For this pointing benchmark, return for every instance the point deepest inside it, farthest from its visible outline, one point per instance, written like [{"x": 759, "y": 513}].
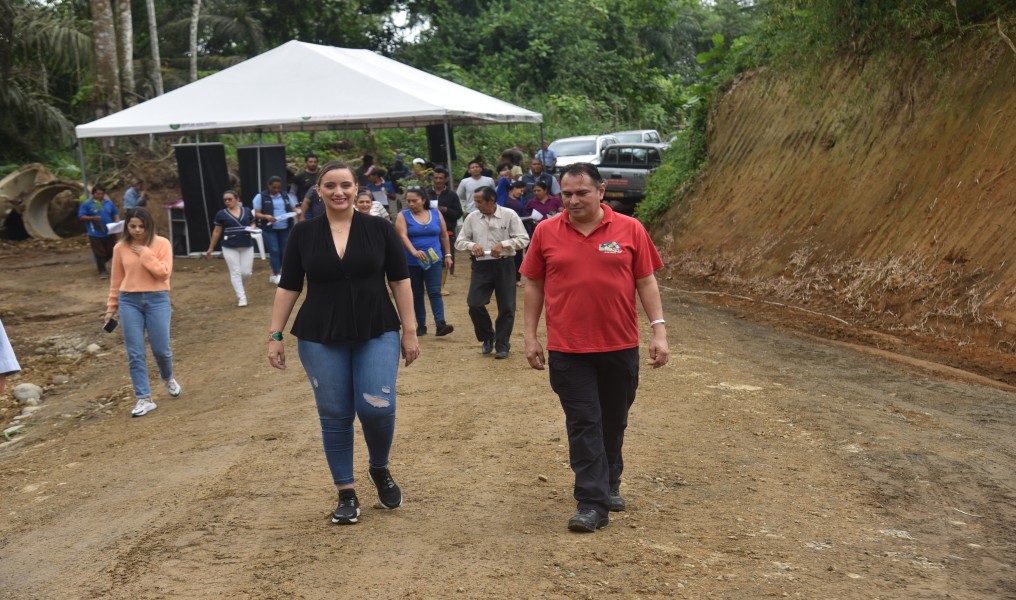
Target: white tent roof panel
[{"x": 340, "y": 89}]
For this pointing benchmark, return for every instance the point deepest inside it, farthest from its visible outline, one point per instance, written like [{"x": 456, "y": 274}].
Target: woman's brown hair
[{"x": 146, "y": 220}]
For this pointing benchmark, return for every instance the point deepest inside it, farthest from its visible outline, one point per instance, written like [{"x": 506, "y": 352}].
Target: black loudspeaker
[
  {"x": 203, "y": 178},
  {"x": 257, "y": 164},
  {"x": 436, "y": 144}
]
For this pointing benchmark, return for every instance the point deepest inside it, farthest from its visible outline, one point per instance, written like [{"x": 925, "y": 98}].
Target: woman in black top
[{"x": 348, "y": 330}]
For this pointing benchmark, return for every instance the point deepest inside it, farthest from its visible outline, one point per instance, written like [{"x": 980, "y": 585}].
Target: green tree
[
  {"x": 41, "y": 52},
  {"x": 106, "y": 94}
]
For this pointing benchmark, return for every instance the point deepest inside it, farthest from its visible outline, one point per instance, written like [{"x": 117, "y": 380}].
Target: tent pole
[
  {"x": 448, "y": 153},
  {"x": 81, "y": 157},
  {"x": 260, "y": 183}
]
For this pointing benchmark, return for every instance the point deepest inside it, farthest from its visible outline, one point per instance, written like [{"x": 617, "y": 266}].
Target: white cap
[{"x": 418, "y": 161}]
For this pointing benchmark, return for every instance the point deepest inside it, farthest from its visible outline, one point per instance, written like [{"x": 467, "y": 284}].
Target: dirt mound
[{"x": 880, "y": 193}]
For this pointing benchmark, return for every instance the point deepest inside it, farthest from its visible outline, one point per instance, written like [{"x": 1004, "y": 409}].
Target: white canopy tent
[{"x": 339, "y": 88}]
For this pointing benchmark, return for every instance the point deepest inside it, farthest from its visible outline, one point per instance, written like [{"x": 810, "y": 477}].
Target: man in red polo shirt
[{"x": 586, "y": 265}]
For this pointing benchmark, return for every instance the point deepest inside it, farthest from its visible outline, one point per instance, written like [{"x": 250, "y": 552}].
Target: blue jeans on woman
[
  {"x": 141, "y": 312},
  {"x": 355, "y": 379},
  {"x": 431, "y": 278},
  {"x": 275, "y": 244}
]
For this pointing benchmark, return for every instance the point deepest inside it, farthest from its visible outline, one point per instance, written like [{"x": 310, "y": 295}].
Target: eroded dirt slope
[{"x": 881, "y": 191}]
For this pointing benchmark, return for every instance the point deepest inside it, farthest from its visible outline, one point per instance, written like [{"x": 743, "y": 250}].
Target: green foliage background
[{"x": 589, "y": 66}]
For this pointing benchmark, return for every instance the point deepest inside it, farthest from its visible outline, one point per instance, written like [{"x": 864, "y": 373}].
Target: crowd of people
[{"x": 370, "y": 268}]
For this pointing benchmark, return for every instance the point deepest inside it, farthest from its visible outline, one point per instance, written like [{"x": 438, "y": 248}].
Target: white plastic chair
[{"x": 261, "y": 244}]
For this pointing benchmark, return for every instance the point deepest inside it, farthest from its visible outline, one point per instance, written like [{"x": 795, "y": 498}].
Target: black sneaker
[
  {"x": 588, "y": 521},
  {"x": 388, "y": 494},
  {"x": 616, "y": 501},
  {"x": 421, "y": 330},
  {"x": 444, "y": 329},
  {"x": 348, "y": 510},
  {"x": 488, "y": 347}
]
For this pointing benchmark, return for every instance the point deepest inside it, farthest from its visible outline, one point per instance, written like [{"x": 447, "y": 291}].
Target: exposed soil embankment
[{"x": 881, "y": 192}]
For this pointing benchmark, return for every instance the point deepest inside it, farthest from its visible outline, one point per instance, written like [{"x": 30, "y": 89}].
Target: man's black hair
[
  {"x": 488, "y": 193},
  {"x": 582, "y": 168}
]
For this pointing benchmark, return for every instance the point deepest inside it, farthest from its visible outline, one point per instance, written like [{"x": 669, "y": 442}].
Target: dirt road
[{"x": 759, "y": 464}]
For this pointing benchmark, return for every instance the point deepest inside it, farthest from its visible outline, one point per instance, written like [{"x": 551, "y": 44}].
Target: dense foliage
[{"x": 589, "y": 66}]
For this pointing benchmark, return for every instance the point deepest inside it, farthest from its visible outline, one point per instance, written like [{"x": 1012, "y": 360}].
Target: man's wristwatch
[{"x": 275, "y": 336}]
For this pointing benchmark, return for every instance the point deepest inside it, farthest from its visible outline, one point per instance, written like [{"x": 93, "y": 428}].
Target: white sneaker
[
  {"x": 274, "y": 279},
  {"x": 143, "y": 407},
  {"x": 242, "y": 302},
  {"x": 173, "y": 387}
]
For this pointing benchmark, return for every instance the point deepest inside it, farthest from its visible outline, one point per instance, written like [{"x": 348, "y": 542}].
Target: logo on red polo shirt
[{"x": 610, "y": 248}]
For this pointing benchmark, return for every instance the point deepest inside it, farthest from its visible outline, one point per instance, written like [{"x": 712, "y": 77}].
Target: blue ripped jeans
[{"x": 354, "y": 380}]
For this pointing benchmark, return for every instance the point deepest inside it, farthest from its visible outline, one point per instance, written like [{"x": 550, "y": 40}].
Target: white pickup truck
[{"x": 624, "y": 167}]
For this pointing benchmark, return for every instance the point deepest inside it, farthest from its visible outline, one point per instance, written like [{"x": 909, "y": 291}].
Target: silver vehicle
[
  {"x": 583, "y": 148},
  {"x": 624, "y": 168},
  {"x": 639, "y": 136}
]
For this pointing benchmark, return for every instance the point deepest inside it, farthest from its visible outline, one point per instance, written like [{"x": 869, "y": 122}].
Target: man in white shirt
[
  {"x": 492, "y": 234},
  {"x": 467, "y": 187}
]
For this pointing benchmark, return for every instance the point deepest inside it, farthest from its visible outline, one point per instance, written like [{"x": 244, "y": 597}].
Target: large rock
[{"x": 27, "y": 391}]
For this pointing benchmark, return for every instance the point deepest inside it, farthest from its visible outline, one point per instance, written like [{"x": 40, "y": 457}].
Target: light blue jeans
[
  {"x": 354, "y": 380},
  {"x": 275, "y": 244},
  {"x": 141, "y": 312}
]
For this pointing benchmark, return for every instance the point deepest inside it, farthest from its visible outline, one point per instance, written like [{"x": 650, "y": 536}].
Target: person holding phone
[
  {"x": 139, "y": 289},
  {"x": 425, "y": 237}
]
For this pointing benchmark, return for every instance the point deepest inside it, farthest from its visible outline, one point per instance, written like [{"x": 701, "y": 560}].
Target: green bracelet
[{"x": 275, "y": 336}]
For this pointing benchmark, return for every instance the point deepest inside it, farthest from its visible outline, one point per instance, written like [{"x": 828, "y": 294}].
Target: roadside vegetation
[{"x": 798, "y": 38}]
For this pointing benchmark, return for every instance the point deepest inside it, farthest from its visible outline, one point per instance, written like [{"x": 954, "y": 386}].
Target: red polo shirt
[{"x": 589, "y": 282}]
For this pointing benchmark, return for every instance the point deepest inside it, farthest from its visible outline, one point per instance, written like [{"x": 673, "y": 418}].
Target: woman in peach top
[{"x": 139, "y": 287}]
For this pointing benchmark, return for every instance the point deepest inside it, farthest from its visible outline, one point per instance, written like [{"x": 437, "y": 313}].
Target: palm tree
[
  {"x": 39, "y": 51},
  {"x": 153, "y": 34},
  {"x": 107, "y": 95},
  {"x": 195, "y": 16},
  {"x": 125, "y": 39}
]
